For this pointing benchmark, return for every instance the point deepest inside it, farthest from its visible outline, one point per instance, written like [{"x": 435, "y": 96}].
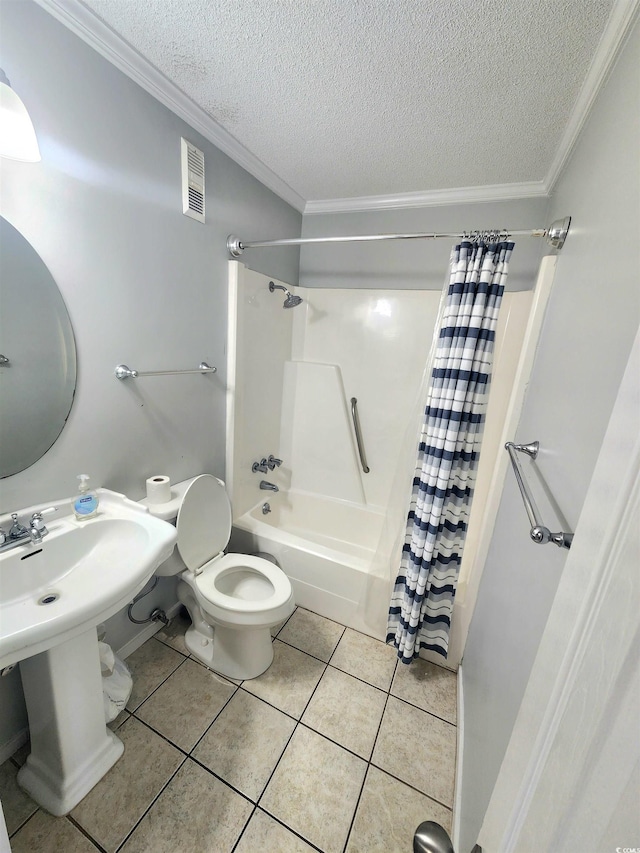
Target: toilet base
[{"x": 237, "y": 653}]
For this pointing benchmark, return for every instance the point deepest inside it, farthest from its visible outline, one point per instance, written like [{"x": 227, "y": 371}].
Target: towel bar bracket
[{"x": 542, "y": 535}]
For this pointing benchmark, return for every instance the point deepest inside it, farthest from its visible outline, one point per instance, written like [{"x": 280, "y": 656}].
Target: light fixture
[{"x": 17, "y": 136}]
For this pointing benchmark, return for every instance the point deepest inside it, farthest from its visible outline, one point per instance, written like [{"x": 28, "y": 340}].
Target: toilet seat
[{"x": 208, "y": 583}]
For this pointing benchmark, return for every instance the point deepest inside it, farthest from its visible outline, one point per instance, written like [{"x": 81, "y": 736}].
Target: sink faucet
[
  {"x": 270, "y": 487},
  {"x": 19, "y": 534}
]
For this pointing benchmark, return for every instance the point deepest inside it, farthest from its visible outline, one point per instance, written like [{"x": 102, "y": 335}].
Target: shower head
[{"x": 291, "y": 301}]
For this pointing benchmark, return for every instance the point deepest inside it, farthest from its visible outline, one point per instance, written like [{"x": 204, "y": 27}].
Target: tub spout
[{"x": 270, "y": 487}]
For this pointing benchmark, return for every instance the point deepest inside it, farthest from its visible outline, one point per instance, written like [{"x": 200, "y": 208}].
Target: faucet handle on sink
[
  {"x": 37, "y": 522},
  {"x": 16, "y": 530}
]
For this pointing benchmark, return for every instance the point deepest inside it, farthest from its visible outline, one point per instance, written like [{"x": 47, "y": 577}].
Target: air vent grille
[{"x": 192, "y": 181}]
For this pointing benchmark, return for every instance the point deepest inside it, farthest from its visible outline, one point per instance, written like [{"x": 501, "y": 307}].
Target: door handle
[{"x": 430, "y": 837}]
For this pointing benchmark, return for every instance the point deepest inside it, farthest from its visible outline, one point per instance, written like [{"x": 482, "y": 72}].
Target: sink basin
[
  {"x": 80, "y": 574},
  {"x": 52, "y": 596}
]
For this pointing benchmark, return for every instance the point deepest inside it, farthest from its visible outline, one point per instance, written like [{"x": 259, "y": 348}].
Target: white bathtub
[{"x": 326, "y": 547}]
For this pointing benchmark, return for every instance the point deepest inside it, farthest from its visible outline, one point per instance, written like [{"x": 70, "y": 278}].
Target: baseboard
[
  {"x": 457, "y": 796},
  {"x": 145, "y": 634},
  {"x": 13, "y": 745}
]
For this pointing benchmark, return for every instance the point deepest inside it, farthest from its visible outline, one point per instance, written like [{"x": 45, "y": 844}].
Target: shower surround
[{"x": 291, "y": 375}]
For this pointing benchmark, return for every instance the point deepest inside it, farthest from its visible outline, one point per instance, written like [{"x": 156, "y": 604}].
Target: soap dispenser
[{"x": 86, "y": 504}]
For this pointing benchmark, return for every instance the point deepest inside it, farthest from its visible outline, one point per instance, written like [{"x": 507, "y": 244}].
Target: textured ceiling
[{"x": 347, "y": 98}]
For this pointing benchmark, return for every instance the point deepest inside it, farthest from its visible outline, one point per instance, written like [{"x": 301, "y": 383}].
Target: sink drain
[{"x": 49, "y": 598}]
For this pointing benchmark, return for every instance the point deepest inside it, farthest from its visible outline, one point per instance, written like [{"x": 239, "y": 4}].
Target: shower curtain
[{"x": 448, "y": 451}]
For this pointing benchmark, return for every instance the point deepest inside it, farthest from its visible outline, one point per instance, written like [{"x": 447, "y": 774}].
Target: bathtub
[{"x": 326, "y": 547}]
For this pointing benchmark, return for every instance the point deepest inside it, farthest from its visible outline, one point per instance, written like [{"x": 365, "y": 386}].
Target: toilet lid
[{"x": 204, "y": 521}]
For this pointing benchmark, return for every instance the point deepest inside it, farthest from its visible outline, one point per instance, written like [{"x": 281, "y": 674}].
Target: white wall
[
  {"x": 371, "y": 345},
  {"x": 259, "y": 344},
  {"x": 415, "y": 264},
  {"x": 143, "y": 284},
  {"x": 590, "y": 324}
]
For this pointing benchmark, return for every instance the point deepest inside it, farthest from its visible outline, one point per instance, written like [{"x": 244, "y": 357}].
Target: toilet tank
[{"x": 168, "y": 511}]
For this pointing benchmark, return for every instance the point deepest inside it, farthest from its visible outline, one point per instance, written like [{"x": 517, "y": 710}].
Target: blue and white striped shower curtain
[{"x": 422, "y": 600}]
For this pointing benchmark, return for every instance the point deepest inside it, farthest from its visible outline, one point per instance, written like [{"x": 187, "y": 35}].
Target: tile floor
[{"x": 318, "y": 753}]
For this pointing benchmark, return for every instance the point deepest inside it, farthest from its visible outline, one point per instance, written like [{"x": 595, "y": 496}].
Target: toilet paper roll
[{"x": 158, "y": 489}]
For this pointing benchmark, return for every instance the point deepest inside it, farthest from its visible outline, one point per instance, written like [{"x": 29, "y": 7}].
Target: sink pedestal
[{"x": 71, "y": 747}]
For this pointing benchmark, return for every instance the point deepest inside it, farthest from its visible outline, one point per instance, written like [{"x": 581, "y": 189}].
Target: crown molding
[
  {"x": 98, "y": 35},
  {"x": 428, "y": 198},
  {"x": 618, "y": 26},
  {"x": 87, "y": 26}
]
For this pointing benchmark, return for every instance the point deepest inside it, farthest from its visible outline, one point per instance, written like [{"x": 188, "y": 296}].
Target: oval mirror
[{"x": 37, "y": 355}]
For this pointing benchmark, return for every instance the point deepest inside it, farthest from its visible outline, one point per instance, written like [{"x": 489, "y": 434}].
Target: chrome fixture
[
  {"x": 261, "y": 466},
  {"x": 18, "y": 140},
  {"x": 358, "y": 431},
  {"x": 20, "y": 535},
  {"x": 268, "y": 487},
  {"x": 430, "y": 837},
  {"x": 156, "y": 615},
  {"x": 4, "y": 361},
  {"x": 556, "y": 234},
  {"x": 272, "y": 462},
  {"x": 124, "y": 372},
  {"x": 266, "y": 509},
  {"x": 291, "y": 301},
  {"x": 539, "y": 532}
]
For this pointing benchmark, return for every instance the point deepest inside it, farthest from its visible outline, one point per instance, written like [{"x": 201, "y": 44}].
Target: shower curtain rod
[{"x": 556, "y": 234}]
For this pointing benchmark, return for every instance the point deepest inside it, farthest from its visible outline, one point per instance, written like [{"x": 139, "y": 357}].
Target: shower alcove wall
[{"x": 291, "y": 375}]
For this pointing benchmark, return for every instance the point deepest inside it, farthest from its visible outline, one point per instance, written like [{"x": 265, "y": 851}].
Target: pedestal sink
[{"x": 52, "y": 596}]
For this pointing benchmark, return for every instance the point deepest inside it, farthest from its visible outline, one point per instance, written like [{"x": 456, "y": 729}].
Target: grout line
[
  {"x": 285, "y": 622},
  {"x": 295, "y": 729},
  {"x": 25, "y": 821},
  {"x": 334, "y": 742},
  {"x": 271, "y": 705},
  {"x": 290, "y": 829},
  {"x": 375, "y": 740},
  {"x": 160, "y": 735},
  {"x": 204, "y": 733},
  {"x": 315, "y": 657},
  {"x": 220, "y": 779},
  {"x": 361, "y": 680},
  {"x": 182, "y": 662},
  {"x": 84, "y": 832},
  {"x": 413, "y": 787},
  {"x": 355, "y": 811},
  {"x": 244, "y": 829},
  {"x": 151, "y": 805},
  {"x": 424, "y": 710}
]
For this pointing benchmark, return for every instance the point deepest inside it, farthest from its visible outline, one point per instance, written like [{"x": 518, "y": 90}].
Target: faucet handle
[
  {"x": 260, "y": 466},
  {"x": 36, "y": 519},
  {"x": 272, "y": 462},
  {"x": 17, "y": 529}
]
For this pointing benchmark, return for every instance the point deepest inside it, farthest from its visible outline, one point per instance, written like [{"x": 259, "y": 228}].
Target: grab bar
[
  {"x": 539, "y": 532},
  {"x": 358, "y": 432}
]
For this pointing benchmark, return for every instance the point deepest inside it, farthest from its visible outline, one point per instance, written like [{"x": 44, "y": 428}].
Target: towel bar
[
  {"x": 539, "y": 532},
  {"x": 124, "y": 372}
]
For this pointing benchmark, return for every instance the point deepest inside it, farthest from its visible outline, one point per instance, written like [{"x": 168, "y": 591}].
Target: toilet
[{"x": 233, "y": 599}]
